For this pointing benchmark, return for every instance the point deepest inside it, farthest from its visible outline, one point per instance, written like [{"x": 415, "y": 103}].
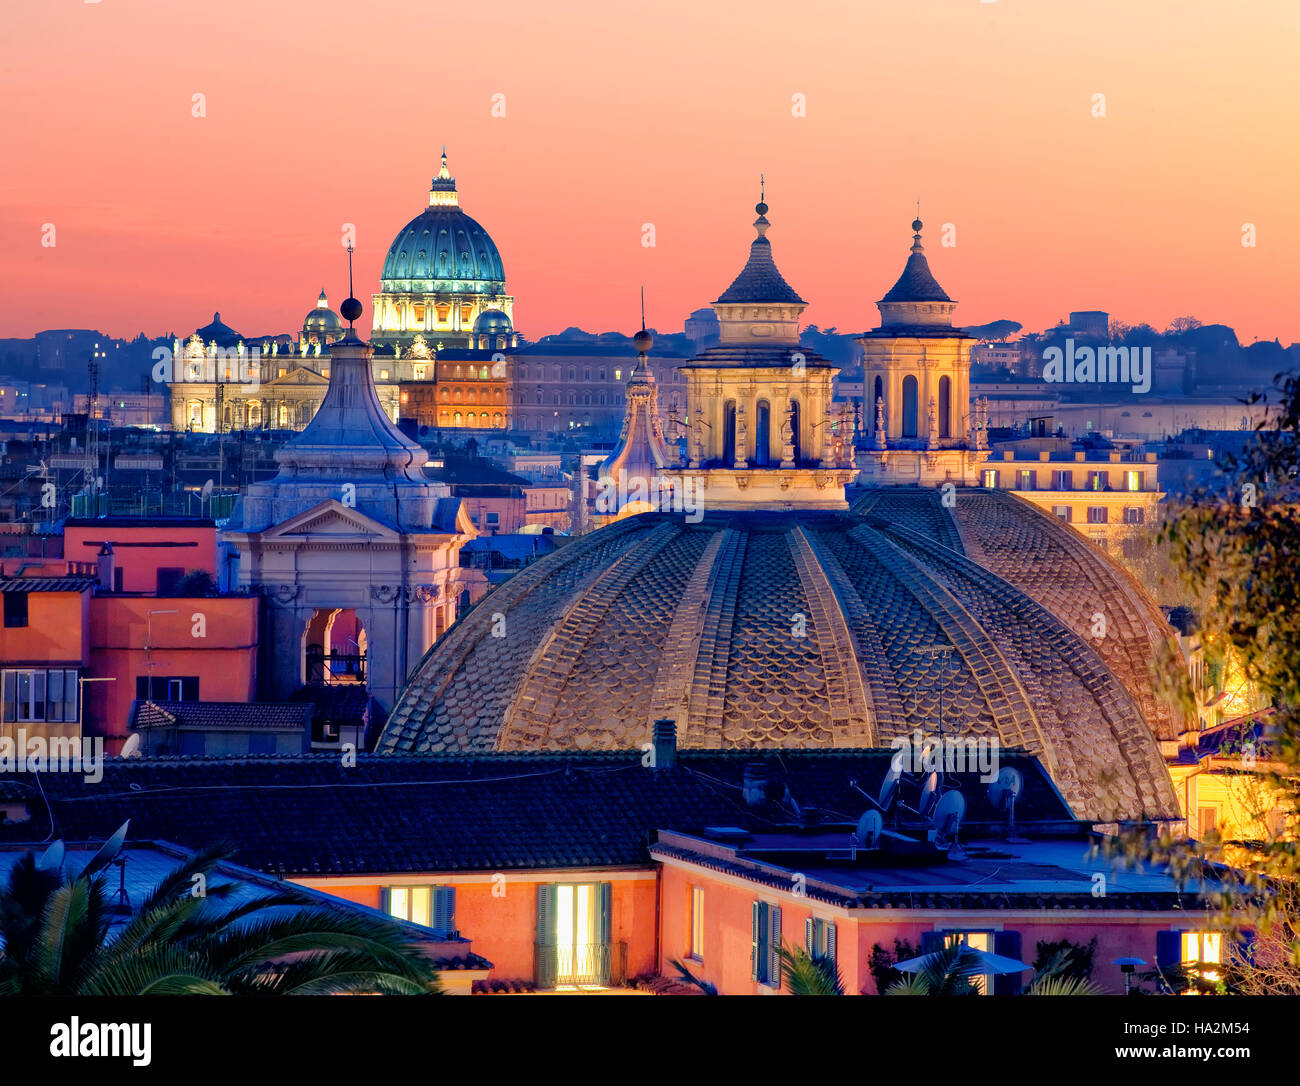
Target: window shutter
[
  {"x": 385, "y": 905},
  {"x": 831, "y": 950},
  {"x": 605, "y": 928},
  {"x": 774, "y": 946},
  {"x": 1007, "y": 943},
  {"x": 546, "y": 935},
  {"x": 810, "y": 935},
  {"x": 756, "y": 940},
  {"x": 443, "y": 912}
]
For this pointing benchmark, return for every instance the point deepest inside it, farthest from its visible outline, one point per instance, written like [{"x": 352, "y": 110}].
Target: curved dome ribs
[
  {"x": 459, "y": 706},
  {"x": 533, "y": 712},
  {"x": 852, "y": 721},
  {"x": 1061, "y": 571},
  {"x": 709, "y": 683},
  {"x": 675, "y": 678},
  {"x": 1100, "y": 726},
  {"x": 1014, "y": 717}
]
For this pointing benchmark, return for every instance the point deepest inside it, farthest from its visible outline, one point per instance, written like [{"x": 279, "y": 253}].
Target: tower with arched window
[{"x": 918, "y": 422}]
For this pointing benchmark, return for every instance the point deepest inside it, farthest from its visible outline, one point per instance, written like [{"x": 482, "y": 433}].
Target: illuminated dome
[
  {"x": 811, "y": 628},
  {"x": 492, "y": 322},
  {"x": 443, "y": 249},
  {"x": 322, "y": 321}
]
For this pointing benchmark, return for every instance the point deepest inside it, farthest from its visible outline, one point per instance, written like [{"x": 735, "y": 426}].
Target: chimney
[
  {"x": 755, "y": 784},
  {"x": 104, "y": 567},
  {"x": 665, "y": 744}
]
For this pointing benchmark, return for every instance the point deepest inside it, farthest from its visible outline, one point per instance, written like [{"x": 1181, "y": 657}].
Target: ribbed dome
[
  {"x": 655, "y": 617},
  {"x": 442, "y": 248}
]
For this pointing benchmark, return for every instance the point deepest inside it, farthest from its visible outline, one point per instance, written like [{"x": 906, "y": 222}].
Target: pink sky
[{"x": 325, "y": 113}]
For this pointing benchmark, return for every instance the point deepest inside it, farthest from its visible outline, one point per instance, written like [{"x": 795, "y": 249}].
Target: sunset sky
[{"x": 320, "y": 114}]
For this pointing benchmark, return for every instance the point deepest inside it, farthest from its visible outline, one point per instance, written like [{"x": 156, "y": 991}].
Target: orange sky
[{"x": 324, "y": 113}]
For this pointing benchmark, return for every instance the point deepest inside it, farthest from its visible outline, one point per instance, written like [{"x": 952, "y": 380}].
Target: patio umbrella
[{"x": 989, "y": 963}]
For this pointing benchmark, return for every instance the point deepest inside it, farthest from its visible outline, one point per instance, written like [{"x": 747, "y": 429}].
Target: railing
[
  {"x": 336, "y": 667},
  {"x": 572, "y": 964}
]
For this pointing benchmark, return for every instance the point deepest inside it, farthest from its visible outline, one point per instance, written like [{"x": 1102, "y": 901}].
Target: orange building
[
  {"x": 572, "y": 870},
  {"x": 151, "y": 554}
]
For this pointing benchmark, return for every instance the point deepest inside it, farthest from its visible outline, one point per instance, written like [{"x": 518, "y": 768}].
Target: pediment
[
  {"x": 302, "y": 375},
  {"x": 331, "y": 517}
]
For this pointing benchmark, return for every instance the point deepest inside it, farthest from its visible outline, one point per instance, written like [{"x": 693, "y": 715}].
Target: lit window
[
  {"x": 697, "y": 923},
  {"x": 430, "y": 906},
  {"x": 1203, "y": 948},
  {"x": 1132, "y": 480},
  {"x": 383, "y": 375},
  {"x": 989, "y": 479}
]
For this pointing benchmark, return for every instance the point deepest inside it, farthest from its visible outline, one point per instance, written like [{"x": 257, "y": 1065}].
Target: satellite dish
[
  {"x": 131, "y": 748},
  {"x": 889, "y": 786},
  {"x": 108, "y": 850},
  {"x": 52, "y": 858},
  {"x": 929, "y": 793},
  {"x": 870, "y": 826},
  {"x": 1004, "y": 790},
  {"x": 948, "y": 813},
  {"x": 206, "y": 492}
]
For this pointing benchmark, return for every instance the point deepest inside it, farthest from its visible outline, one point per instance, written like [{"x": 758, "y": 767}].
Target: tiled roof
[
  {"x": 311, "y": 815},
  {"x": 655, "y": 617},
  {"x": 917, "y": 283},
  {"x": 47, "y": 584},
  {"x": 217, "y": 715},
  {"x": 759, "y": 281}
]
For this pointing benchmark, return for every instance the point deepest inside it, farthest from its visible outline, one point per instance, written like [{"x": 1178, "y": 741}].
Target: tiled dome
[{"x": 656, "y": 617}]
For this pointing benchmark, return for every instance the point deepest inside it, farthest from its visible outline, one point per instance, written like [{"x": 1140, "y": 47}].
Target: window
[
  {"x": 494, "y": 519},
  {"x": 168, "y": 578},
  {"x": 167, "y": 687},
  {"x": 696, "y": 949},
  {"x": 573, "y": 934},
  {"x": 764, "y": 962},
  {"x": 819, "y": 937},
  {"x": 1062, "y": 480},
  {"x": 1004, "y": 943},
  {"x": 1097, "y": 480},
  {"x": 383, "y": 375},
  {"x": 1132, "y": 480},
  {"x": 1062, "y": 512},
  {"x": 1097, "y": 514},
  {"x": 1134, "y": 515},
  {"x": 15, "y": 609},
  {"x": 1200, "y": 949},
  {"x": 1207, "y": 819},
  {"x": 430, "y": 906},
  {"x": 420, "y": 371},
  {"x": 989, "y": 478},
  {"x": 40, "y": 694},
  {"x": 1026, "y": 479}
]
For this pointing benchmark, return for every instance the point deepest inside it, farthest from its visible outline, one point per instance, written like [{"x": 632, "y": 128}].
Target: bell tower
[
  {"x": 920, "y": 424},
  {"x": 760, "y": 428}
]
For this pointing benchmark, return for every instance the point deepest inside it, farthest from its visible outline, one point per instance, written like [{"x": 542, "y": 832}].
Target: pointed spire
[
  {"x": 759, "y": 280},
  {"x": 917, "y": 283}
]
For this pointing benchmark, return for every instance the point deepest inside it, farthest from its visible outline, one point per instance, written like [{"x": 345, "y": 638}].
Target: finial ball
[
  {"x": 761, "y": 208},
  {"x": 916, "y": 225},
  {"x": 642, "y": 341},
  {"x": 350, "y": 309}
]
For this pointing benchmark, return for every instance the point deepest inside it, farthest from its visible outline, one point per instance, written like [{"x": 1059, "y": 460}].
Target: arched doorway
[
  {"x": 909, "y": 406},
  {"x": 334, "y": 648}
]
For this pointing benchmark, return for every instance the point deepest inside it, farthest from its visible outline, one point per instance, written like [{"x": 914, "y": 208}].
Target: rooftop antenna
[{"x": 351, "y": 308}]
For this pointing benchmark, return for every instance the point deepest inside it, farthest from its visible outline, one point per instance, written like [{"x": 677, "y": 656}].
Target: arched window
[
  {"x": 877, "y": 395},
  {"x": 457, "y": 418},
  {"x": 762, "y": 434},
  {"x": 909, "y": 406},
  {"x": 496, "y": 420},
  {"x": 945, "y": 406},
  {"x": 794, "y": 427},
  {"x": 729, "y": 434}
]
